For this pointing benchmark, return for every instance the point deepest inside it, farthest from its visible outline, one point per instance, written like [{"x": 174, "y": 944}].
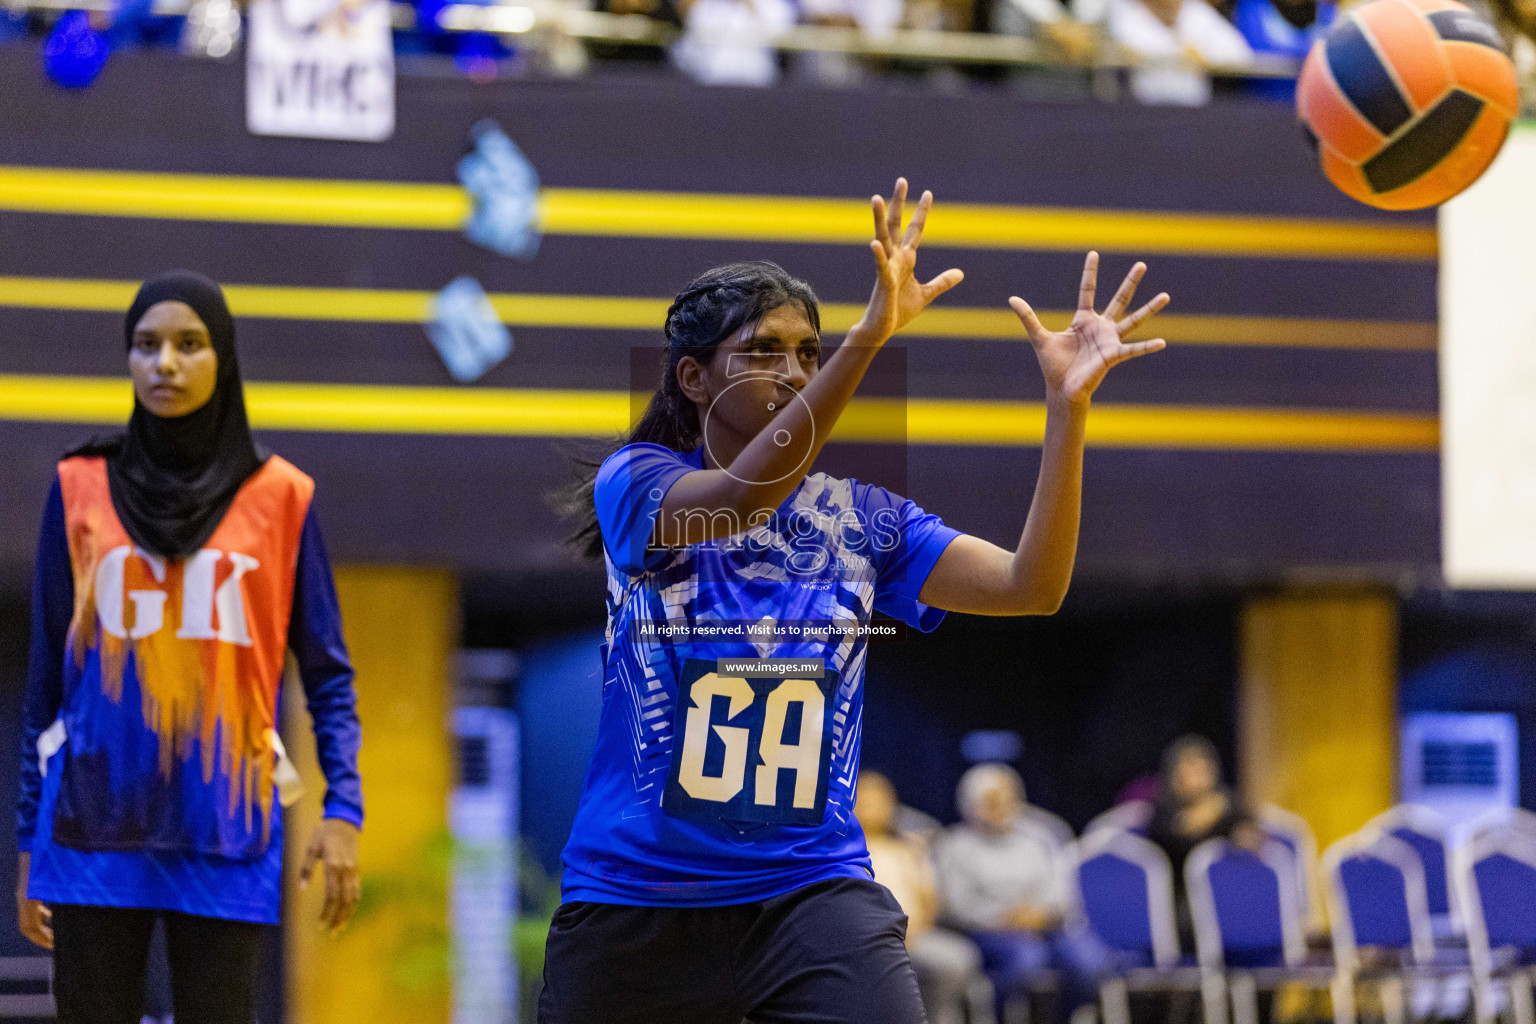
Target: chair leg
[
  {"x": 1424, "y": 998},
  {"x": 1213, "y": 996},
  {"x": 981, "y": 1002},
  {"x": 1245, "y": 999},
  {"x": 1453, "y": 998},
  {"x": 1520, "y": 997},
  {"x": 1482, "y": 999},
  {"x": 1017, "y": 1009},
  {"x": 1115, "y": 1001},
  {"x": 1343, "y": 991},
  {"x": 1392, "y": 1000}
]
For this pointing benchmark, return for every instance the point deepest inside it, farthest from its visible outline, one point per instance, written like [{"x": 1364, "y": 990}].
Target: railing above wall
[{"x": 530, "y": 17}]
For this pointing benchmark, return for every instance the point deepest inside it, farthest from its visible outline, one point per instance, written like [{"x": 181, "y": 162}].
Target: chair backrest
[
  {"x": 1131, "y": 816},
  {"x": 1376, "y": 897},
  {"x": 1293, "y": 832},
  {"x": 1125, "y": 889},
  {"x": 1499, "y": 819},
  {"x": 1244, "y": 905},
  {"x": 1425, "y": 830},
  {"x": 1496, "y": 878},
  {"x": 1060, "y": 832}
]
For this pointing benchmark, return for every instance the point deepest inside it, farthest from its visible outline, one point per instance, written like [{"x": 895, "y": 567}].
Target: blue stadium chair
[
  {"x": 1247, "y": 926},
  {"x": 1125, "y": 892},
  {"x": 1377, "y": 900},
  {"x": 1495, "y": 875},
  {"x": 1292, "y": 832},
  {"x": 1425, "y": 830},
  {"x": 1132, "y": 816}
]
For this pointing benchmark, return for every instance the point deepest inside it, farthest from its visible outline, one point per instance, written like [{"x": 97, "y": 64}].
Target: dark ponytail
[{"x": 713, "y": 307}]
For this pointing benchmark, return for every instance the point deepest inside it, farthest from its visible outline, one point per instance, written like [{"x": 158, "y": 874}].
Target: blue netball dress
[{"x": 711, "y": 787}]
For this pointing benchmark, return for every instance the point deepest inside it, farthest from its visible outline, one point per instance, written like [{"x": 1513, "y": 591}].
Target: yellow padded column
[
  {"x": 391, "y": 964},
  {"x": 1317, "y": 706}
]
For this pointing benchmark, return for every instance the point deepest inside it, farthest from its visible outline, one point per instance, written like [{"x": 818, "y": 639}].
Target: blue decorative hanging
[
  {"x": 505, "y": 188},
  {"x": 74, "y": 52},
  {"x": 466, "y": 331}
]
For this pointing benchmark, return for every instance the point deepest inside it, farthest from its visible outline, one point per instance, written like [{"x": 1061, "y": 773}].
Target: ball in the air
[{"x": 1409, "y": 101}]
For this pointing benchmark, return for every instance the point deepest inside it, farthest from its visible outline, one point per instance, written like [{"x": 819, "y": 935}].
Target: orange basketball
[{"x": 1408, "y": 101}]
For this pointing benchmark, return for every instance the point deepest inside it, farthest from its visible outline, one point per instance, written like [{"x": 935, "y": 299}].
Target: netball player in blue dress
[{"x": 715, "y": 872}]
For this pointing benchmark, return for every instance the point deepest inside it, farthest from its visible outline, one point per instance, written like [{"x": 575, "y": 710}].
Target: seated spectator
[
  {"x": 13, "y": 24},
  {"x": 1282, "y": 28},
  {"x": 873, "y": 18},
  {"x": 1176, "y": 42},
  {"x": 947, "y": 963},
  {"x": 1061, "y": 33},
  {"x": 941, "y": 15},
  {"x": 725, "y": 42},
  {"x": 911, "y": 823},
  {"x": 1066, "y": 39},
  {"x": 663, "y": 12},
  {"x": 1193, "y": 806},
  {"x": 1001, "y": 881}
]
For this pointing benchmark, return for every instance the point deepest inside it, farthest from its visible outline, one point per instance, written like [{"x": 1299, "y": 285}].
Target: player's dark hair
[{"x": 713, "y": 307}]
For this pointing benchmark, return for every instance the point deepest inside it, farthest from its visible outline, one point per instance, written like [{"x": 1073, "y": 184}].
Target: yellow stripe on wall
[
  {"x": 597, "y": 312},
  {"x": 978, "y": 226},
  {"x": 234, "y": 198},
  {"x": 538, "y": 412},
  {"x": 689, "y": 215}
]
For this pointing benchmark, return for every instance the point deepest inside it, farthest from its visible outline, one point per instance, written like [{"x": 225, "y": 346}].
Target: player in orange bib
[{"x": 177, "y": 564}]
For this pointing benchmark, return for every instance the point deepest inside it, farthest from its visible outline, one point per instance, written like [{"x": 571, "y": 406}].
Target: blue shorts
[{"x": 832, "y": 951}]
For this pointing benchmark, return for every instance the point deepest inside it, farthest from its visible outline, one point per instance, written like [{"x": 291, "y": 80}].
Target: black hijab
[{"x": 172, "y": 480}]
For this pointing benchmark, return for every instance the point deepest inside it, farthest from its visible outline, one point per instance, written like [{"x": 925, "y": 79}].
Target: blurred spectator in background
[
  {"x": 1192, "y": 806},
  {"x": 874, "y": 19},
  {"x": 663, "y": 11},
  {"x": 1516, "y": 21},
  {"x": 13, "y": 24},
  {"x": 941, "y": 15},
  {"x": 134, "y": 23},
  {"x": 1176, "y": 41},
  {"x": 724, "y": 42},
  {"x": 1002, "y": 881},
  {"x": 1063, "y": 33},
  {"x": 1282, "y": 28},
  {"x": 660, "y": 10},
  {"x": 1068, "y": 40},
  {"x": 947, "y": 963}
]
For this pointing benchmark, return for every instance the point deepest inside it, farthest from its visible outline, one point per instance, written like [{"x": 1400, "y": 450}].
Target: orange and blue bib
[{"x": 172, "y": 672}]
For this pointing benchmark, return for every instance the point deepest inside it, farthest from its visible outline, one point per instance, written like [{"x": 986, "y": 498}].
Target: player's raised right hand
[
  {"x": 1075, "y": 360},
  {"x": 898, "y": 296}
]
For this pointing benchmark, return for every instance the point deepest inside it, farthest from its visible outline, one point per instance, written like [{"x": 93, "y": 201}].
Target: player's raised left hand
[
  {"x": 898, "y": 295},
  {"x": 333, "y": 848},
  {"x": 1075, "y": 360}
]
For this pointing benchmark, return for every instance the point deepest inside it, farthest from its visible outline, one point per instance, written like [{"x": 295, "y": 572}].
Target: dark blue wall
[{"x": 559, "y": 695}]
